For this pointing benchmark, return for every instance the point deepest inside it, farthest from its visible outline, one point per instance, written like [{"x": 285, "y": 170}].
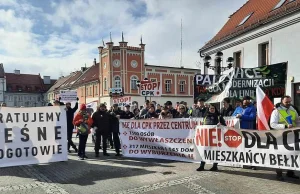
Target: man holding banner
[{"x": 283, "y": 117}]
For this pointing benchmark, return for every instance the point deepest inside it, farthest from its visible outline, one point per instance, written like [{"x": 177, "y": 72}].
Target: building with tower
[{"x": 119, "y": 68}]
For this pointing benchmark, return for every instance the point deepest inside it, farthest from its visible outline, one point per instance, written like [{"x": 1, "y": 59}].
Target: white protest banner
[
  {"x": 150, "y": 89},
  {"x": 32, "y": 135},
  {"x": 164, "y": 139},
  {"x": 122, "y": 101},
  {"x": 68, "y": 95},
  {"x": 273, "y": 149},
  {"x": 170, "y": 139}
]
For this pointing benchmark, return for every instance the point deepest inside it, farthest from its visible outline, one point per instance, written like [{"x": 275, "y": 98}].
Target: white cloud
[{"x": 79, "y": 27}]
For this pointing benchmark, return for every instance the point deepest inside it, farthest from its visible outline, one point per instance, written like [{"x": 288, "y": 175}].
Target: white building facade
[{"x": 271, "y": 42}]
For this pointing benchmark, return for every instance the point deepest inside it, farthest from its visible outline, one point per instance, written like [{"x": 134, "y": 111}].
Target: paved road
[{"x": 118, "y": 175}]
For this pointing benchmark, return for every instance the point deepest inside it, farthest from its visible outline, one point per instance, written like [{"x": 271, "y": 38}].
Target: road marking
[{"x": 183, "y": 181}]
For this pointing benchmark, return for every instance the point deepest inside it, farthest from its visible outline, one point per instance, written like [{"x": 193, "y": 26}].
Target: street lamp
[{"x": 218, "y": 60}]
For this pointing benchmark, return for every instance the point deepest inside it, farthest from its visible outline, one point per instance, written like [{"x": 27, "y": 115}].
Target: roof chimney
[
  {"x": 17, "y": 72},
  {"x": 47, "y": 80},
  {"x": 95, "y": 62}
]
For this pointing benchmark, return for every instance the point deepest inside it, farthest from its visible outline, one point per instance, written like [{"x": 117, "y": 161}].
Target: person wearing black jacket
[
  {"x": 227, "y": 109},
  {"x": 70, "y": 126},
  {"x": 115, "y": 130},
  {"x": 200, "y": 110},
  {"x": 212, "y": 117},
  {"x": 182, "y": 112},
  {"x": 173, "y": 111},
  {"x": 102, "y": 124},
  {"x": 151, "y": 113},
  {"x": 127, "y": 114}
]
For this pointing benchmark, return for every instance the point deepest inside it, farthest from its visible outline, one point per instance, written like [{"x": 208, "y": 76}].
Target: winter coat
[
  {"x": 114, "y": 125},
  {"x": 213, "y": 119},
  {"x": 78, "y": 119},
  {"x": 151, "y": 115},
  {"x": 127, "y": 115},
  {"x": 143, "y": 112},
  {"x": 70, "y": 117},
  {"x": 184, "y": 115},
  {"x": 248, "y": 119},
  {"x": 238, "y": 110},
  {"x": 227, "y": 112},
  {"x": 199, "y": 112},
  {"x": 173, "y": 112},
  {"x": 102, "y": 120}
]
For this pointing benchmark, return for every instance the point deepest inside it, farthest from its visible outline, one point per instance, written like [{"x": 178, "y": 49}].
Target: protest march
[{"x": 253, "y": 132}]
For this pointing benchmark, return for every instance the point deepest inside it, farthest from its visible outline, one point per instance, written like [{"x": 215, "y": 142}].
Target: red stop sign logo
[{"x": 232, "y": 139}]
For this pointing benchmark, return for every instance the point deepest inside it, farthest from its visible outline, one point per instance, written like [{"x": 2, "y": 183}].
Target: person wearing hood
[
  {"x": 83, "y": 122},
  {"x": 248, "y": 115},
  {"x": 279, "y": 121},
  {"x": 212, "y": 117},
  {"x": 102, "y": 124},
  {"x": 70, "y": 126},
  {"x": 227, "y": 109}
]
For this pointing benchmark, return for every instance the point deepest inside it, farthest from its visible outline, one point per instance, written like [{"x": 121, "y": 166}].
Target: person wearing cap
[
  {"x": 127, "y": 114},
  {"x": 83, "y": 122},
  {"x": 248, "y": 115},
  {"x": 70, "y": 127},
  {"x": 102, "y": 124},
  {"x": 279, "y": 121},
  {"x": 200, "y": 110},
  {"x": 182, "y": 112},
  {"x": 171, "y": 109}
]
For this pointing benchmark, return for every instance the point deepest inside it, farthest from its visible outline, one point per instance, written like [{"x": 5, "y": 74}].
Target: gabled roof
[
  {"x": 90, "y": 75},
  {"x": 24, "y": 83},
  {"x": 59, "y": 82},
  {"x": 251, "y": 15},
  {"x": 71, "y": 81}
]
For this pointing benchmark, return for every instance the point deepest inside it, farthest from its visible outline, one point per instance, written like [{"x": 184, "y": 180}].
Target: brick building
[{"x": 120, "y": 67}]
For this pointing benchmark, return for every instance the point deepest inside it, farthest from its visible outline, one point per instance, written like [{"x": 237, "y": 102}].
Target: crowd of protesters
[{"x": 105, "y": 122}]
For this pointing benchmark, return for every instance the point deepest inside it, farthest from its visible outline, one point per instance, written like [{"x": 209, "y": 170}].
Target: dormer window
[
  {"x": 245, "y": 19},
  {"x": 281, "y": 2}
]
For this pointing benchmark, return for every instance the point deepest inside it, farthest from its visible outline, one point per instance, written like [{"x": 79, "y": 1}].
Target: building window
[
  {"x": 168, "y": 85},
  {"x": 237, "y": 59},
  {"x": 181, "y": 85},
  {"x": 117, "y": 82},
  {"x": 263, "y": 54},
  {"x": 133, "y": 81},
  {"x": 96, "y": 90},
  {"x": 153, "y": 80},
  {"x": 105, "y": 84}
]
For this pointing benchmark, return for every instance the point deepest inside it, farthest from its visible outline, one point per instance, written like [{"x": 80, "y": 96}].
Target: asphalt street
[{"x": 120, "y": 175}]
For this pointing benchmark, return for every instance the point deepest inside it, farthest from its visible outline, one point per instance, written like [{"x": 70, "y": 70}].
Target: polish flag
[{"x": 264, "y": 109}]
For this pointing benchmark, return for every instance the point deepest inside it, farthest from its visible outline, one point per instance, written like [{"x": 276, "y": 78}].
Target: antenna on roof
[
  {"x": 181, "y": 66},
  {"x": 122, "y": 37},
  {"x": 141, "y": 39},
  {"x": 103, "y": 42},
  {"x": 110, "y": 37}
]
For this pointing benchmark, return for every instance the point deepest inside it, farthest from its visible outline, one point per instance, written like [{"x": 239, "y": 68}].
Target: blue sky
[{"x": 59, "y": 36}]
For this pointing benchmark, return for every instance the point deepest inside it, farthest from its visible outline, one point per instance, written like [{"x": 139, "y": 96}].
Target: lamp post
[{"x": 218, "y": 59}]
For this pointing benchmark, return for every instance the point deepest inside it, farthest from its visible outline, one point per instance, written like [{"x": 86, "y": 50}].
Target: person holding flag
[{"x": 284, "y": 117}]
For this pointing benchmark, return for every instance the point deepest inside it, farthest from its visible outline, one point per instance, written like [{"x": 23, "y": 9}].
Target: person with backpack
[
  {"x": 83, "y": 123},
  {"x": 212, "y": 117}
]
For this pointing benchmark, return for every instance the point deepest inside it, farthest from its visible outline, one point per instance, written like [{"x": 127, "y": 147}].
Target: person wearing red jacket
[{"x": 83, "y": 123}]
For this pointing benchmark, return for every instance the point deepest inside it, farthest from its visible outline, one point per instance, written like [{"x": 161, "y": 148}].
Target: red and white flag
[{"x": 264, "y": 109}]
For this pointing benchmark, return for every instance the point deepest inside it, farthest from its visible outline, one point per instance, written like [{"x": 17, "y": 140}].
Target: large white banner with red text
[
  {"x": 273, "y": 149},
  {"x": 171, "y": 139}
]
